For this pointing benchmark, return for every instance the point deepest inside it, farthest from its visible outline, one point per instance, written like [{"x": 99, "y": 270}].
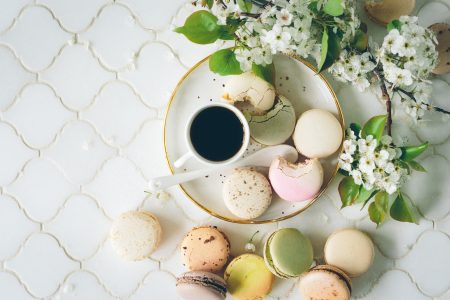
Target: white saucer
[{"x": 295, "y": 79}]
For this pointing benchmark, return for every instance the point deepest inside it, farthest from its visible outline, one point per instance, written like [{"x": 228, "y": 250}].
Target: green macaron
[{"x": 288, "y": 253}]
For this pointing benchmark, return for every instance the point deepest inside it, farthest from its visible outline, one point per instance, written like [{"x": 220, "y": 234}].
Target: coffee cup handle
[{"x": 183, "y": 159}]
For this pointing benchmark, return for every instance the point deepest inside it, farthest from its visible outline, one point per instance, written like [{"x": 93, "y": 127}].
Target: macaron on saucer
[
  {"x": 248, "y": 278},
  {"x": 205, "y": 249},
  {"x": 275, "y": 126},
  {"x": 296, "y": 182},
  {"x": 201, "y": 286},
  {"x": 288, "y": 253},
  {"x": 325, "y": 282},
  {"x": 350, "y": 250},
  {"x": 135, "y": 235},
  {"x": 247, "y": 193}
]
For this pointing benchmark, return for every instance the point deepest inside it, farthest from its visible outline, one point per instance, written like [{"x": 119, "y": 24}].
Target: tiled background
[{"x": 83, "y": 89}]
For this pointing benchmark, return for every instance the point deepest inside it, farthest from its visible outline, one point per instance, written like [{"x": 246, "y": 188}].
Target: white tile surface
[{"x": 83, "y": 89}]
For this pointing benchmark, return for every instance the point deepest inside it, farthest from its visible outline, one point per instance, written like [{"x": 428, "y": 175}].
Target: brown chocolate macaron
[
  {"x": 325, "y": 282},
  {"x": 205, "y": 249}
]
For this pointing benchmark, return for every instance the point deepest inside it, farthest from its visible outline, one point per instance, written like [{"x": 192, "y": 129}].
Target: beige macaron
[
  {"x": 350, "y": 250},
  {"x": 135, "y": 235},
  {"x": 247, "y": 193},
  {"x": 385, "y": 11},
  {"x": 442, "y": 31},
  {"x": 317, "y": 134}
]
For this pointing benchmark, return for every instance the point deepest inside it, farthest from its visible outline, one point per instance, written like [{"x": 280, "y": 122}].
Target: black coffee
[{"x": 217, "y": 133}]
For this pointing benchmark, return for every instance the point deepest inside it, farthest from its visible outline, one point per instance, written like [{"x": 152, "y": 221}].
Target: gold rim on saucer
[{"x": 241, "y": 221}]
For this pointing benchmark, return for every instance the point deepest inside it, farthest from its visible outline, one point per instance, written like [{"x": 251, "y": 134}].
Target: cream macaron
[
  {"x": 249, "y": 87},
  {"x": 350, "y": 250},
  {"x": 135, "y": 235},
  {"x": 296, "y": 182},
  {"x": 317, "y": 134},
  {"x": 247, "y": 193}
]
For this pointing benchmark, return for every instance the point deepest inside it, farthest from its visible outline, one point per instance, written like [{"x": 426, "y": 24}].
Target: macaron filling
[
  {"x": 204, "y": 281},
  {"x": 338, "y": 273}
]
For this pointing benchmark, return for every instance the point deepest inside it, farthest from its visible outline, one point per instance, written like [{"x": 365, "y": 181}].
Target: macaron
[
  {"x": 201, "y": 286},
  {"x": 350, "y": 250},
  {"x": 442, "y": 31},
  {"x": 248, "y": 278},
  {"x": 135, "y": 235},
  {"x": 296, "y": 182},
  {"x": 275, "y": 126},
  {"x": 317, "y": 134},
  {"x": 385, "y": 11},
  {"x": 247, "y": 193},
  {"x": 248, "y": 87},
  {"x": 205, "y": 249},
  {"x": 288, "y": 253},
  {"x": 326, "y": 283}
]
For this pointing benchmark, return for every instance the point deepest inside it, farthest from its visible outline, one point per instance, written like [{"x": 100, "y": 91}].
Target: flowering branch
[
  {"x": 387, "y": 98},
  {"x": 411, "y": 96}
]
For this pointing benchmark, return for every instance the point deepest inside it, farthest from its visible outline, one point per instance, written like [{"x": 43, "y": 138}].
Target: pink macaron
[{"x": 296, "y": 182}]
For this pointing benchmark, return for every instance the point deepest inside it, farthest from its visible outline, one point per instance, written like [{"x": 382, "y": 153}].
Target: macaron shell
[
  {"x": 288, "y": 252},
  {"x": 201, "y": 286},
  {"x": 442, "y": 31},
  {"x": 205, "y": 249},
  {"x": 135, "y": 235},
  {"x": 317, "y": 134},
  {"x": 296, "y": 182},
  {"x": 350, "y": 250},
  {"x": 247, "y": 193},
  {"x": 197, "y": 292},
  {"x": 249, "y": 87},
  {"x": 248, "y": 278},
  {"x": 321, "y": 284},
  {"x": 275, "y": 126}
]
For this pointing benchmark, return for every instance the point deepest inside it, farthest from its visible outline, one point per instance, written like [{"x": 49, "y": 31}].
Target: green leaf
[
  {"x": 364, "y": 195},
  {"x": 375, "y": 127},
  {"x": 266, "y": 72},
  {"x": 313, "y": 7},
  {"x": 330, "y": 50},
  {"x": 382, "y": 200},
  {"x": 394, "y": 24},
  {"x": 201, "y": 27},
  {"x": 226, "y": 32},
  {"x": 361, "y": 40},
  {"x": 223, "y": 62},
  {"x": 334, "y": 8},
  {"x": 379, "y": 208},
  {"x": 245, "y": 5},
  {"x": 416, "y": 166},
  {"x": 411, "y": 152},
  {"x": 208, "y": 3},
  {"x": 401, "y": 210},
  {"x": 376, "y": 214},
  {"x": 348, "y": 190},
  {"x": 356, "y": 128}
]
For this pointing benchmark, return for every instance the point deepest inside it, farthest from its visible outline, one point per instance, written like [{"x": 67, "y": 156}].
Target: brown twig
[
  {"x": 411, "y": 96},
  {"x": 251, "y": 15},
  {"x": 387, "y": 98}
]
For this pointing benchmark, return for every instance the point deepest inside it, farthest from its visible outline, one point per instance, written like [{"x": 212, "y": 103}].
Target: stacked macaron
[
  {"x": 348, "y": 253},
  {"x": 205, "y": 251},
  {"x": 317, "y": 134}
]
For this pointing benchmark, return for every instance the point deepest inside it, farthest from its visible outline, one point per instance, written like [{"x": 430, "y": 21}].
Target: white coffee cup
[{"x": 193, "y": 153}]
